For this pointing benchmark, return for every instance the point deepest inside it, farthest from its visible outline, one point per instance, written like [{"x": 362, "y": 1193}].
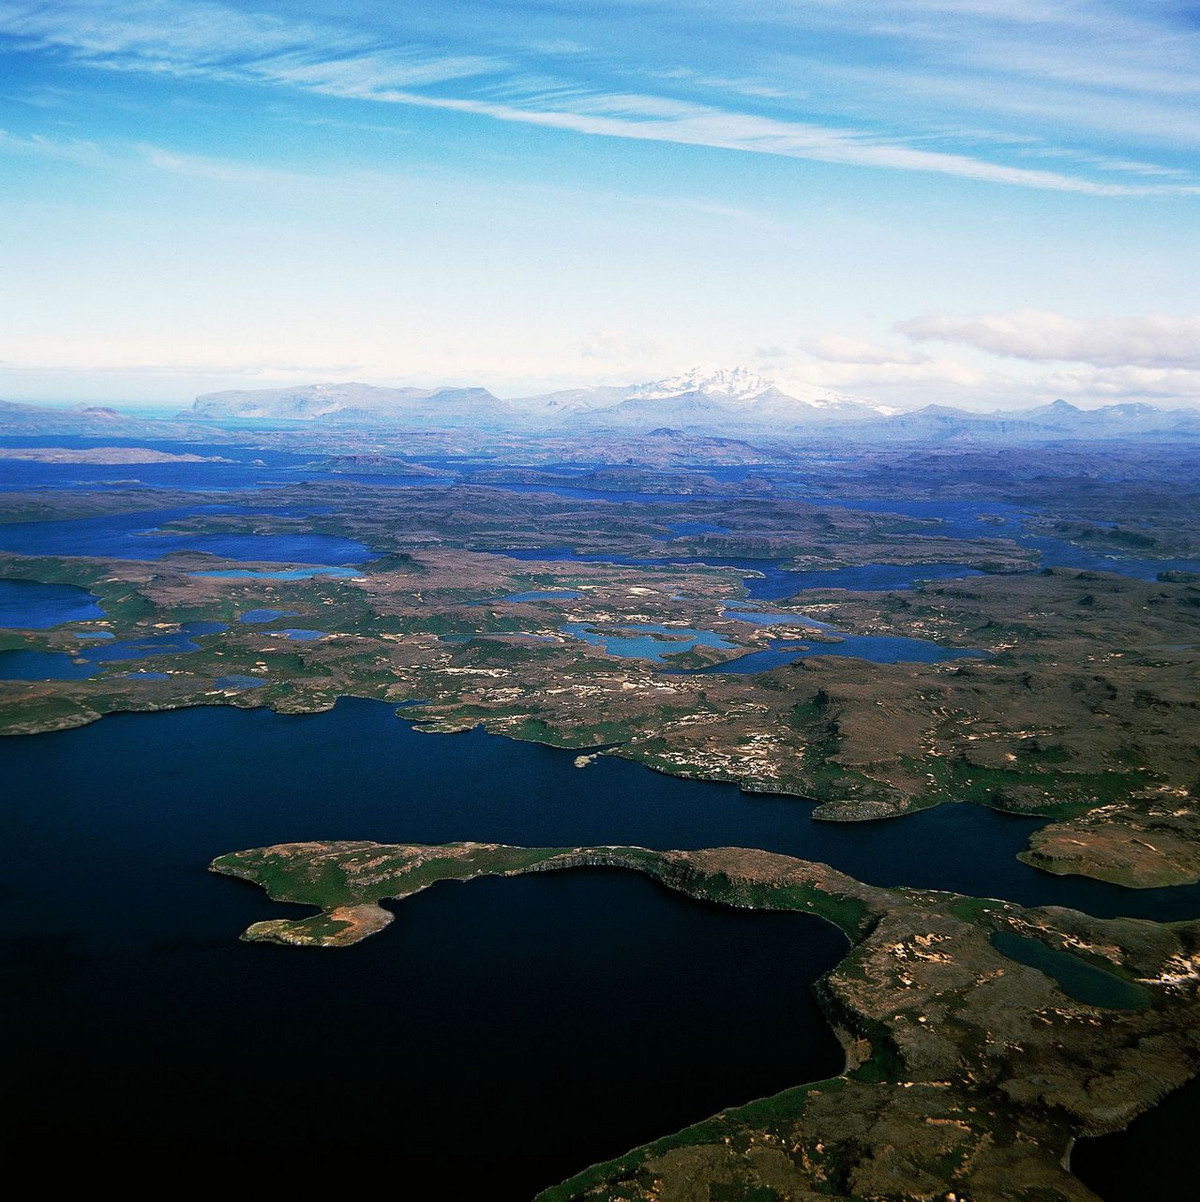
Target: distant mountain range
[
  {"x": 708, "y": 400},
  {"x": 724, "y": 401},
  {"x": 346, "y": 403},
  {"x": 733, "y": 403}
]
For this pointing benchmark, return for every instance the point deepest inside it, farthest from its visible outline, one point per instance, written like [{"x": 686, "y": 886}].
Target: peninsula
[{"x": 981, "y": 1037}]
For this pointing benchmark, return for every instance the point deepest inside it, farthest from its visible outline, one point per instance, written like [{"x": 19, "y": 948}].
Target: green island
[{"x": 981, "y": 1037}]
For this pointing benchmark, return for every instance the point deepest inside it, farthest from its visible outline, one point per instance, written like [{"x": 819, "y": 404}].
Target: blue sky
[{"x": 977, "y": 202}]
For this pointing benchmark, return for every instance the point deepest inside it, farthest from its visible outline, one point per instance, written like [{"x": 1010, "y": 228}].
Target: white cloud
[
  {"x": 1113, "y": 384},
  {"x": 618, "y": 349},
  {"x": 1155, "y": 341},
  {"x": 217, "y": 41},
  {"x": 924, "y": 381},
  {"x": 216, "y": 170},
  {"x": 836, "y": 348},
  {"x": 223, "y": 42},
  {"x": 173, "y": 370},
  {"x": 1103, "y": 44},
  {"x": 67, "y": 150},
  {"x": 654, "y": 119}
]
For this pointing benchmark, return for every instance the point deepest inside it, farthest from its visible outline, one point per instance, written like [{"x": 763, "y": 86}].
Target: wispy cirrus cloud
[
  {"x": 649, "y": 118},
  {"x": 64, "y": 149},
  {"x": 1157, "y": 342},
  {"x": 1108, "y": 45},
  {"x": 112, "y": 156},
  {"x": 469, "y": 75},
  {"x": 223, "y": 42}
]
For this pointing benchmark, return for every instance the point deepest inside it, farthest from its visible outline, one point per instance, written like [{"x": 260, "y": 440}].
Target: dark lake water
[
  {"x": 1075, "y": 976},
  {"x": 578, "y": 1014},
  {"x": 31, "y": 605},
  {"x": 139, "y": 536},
  {"x": 83, "y": 662},
  {"x": 1152, "y": 1159}
]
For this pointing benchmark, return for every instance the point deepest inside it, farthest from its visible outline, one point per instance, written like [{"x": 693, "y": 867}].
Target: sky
[{"x": 984, "y": 203}]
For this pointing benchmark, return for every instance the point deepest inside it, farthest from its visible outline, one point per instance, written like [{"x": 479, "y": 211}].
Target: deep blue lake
[
  {"x": 764, "y": 579},
  {"x": 139, "y": 536},
  {"x": 82, "y": 662},
  {"x": 1150, "y": 1159},
  {"x": 32, "y": 605},
  {"x": 593, "y": 1010},
  {"x": 558, "y": 1019},
  {"x": 879, "y": 649}
]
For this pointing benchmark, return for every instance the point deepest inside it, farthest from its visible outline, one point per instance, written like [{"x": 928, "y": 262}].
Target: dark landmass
[
  {"x": 374, "y": 465},
  {"x": 969, "y": 1070}
]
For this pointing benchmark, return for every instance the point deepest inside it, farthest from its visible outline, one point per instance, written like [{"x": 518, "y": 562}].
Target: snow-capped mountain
[
  {"x": 738, "y": 383},
  {"x": 704, "y": 398}
]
